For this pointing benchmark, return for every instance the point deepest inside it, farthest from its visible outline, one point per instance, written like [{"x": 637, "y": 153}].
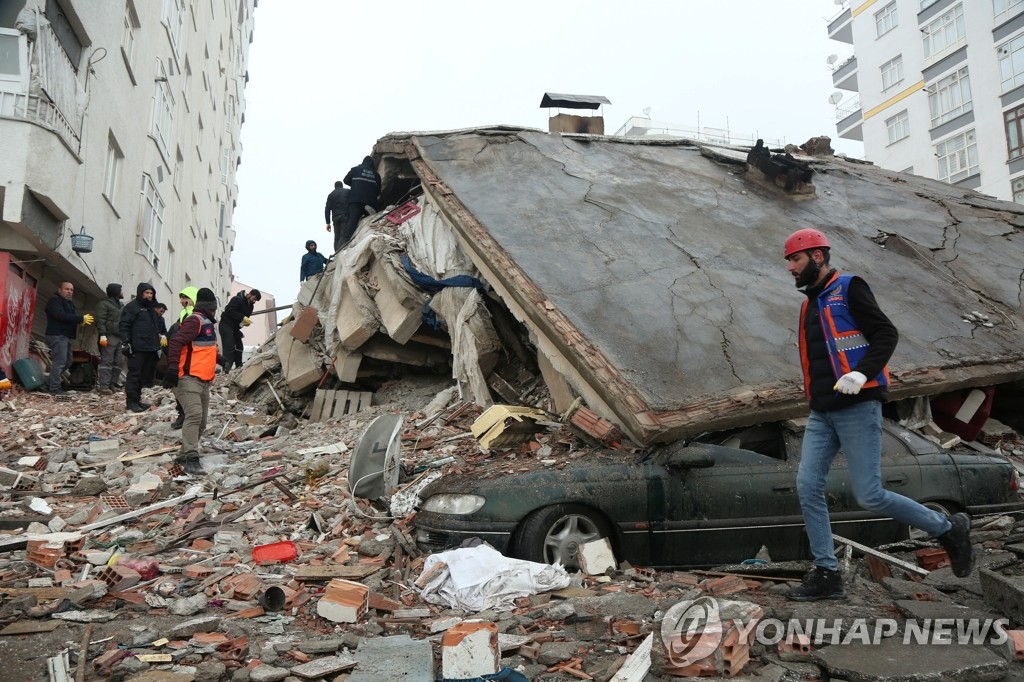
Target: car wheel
[
  {"x": 554, "y": 534},
  {"x": 945, "y": 508}
]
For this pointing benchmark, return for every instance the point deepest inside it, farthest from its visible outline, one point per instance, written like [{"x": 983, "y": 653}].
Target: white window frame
[
  {"x": 1005, "y": 9},
  {"x": 957, "y": 157},
  {"x": 229, "y": 112},
  {"x": 1010, "y": 56},
  {"x": 945, "y": 33},
  {"x": 151, "y": 221},
  {"x": 225, "y": 164},
  {"x": 163, "y": 111},
  {"x": 131, "y": 26},
  {"x": 173, "y": 18},
  {"x": 886, "y": 19},
  {"x": 179, "y": 162},
  {"x": 898, "y": 127},
  {"x": 9, "y": 81},
  {"x": 950, "y": 97},
  {"x": 168, "y": 262},
  {"x": 892, "y": 72},
  {"x": 112, "y": 168},
  {"x": 222, "y": 220},
  {"x": 1017, "y": 187}
]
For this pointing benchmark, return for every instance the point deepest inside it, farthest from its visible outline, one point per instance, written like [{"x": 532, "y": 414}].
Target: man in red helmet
[{"x": 845, "y": 343}]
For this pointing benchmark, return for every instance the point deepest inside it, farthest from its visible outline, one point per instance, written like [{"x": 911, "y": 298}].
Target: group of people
[
  {"x": 133, "y": 335},
  {"x": 345, "y": 207}
]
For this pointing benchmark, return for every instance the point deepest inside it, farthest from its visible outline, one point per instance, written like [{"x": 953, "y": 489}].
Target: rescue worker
[
  {"x": 140, "y": 342},
  {"x": 236, "y": 315},
  {"x": 845, "y": 344},
  {"x": 108, "y": 311},
  {"x": 313, "y": 262},
  {"x": 364, "y": 181},
  {"x": 191, "y": 366},
  {"x": 187, "y": 298}
]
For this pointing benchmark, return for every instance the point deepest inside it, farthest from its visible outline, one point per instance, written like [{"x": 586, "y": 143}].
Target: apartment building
[
  {"x": 119, "y": 125},
  {"x": 938, "y": 89}
]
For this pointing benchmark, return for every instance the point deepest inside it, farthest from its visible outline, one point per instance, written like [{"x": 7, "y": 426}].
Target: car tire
[
  {"x": 554, "y": 534},
  {"x": 945, "y": 508}
]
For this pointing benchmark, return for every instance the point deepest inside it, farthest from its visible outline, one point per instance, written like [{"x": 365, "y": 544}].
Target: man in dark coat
[
  {"x": 336, "y": 212},
  {"x": 313, "y": 262},
  {"x": 108, "y": 312},
  {"x": 62, "y": 320},
  {"x": 235, "y": 316},
  {"x": 140, "y": 343},
  {"x": 365, "y": 183}
]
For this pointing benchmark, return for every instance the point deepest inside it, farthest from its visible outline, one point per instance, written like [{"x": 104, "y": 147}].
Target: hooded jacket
[
  {"x": 313, "y": 263},
  {"x": 108, "y": 312},
  {"x": 191, "y": 292},
  {"x": 365, "y": 183},
  {"x": 139, "y": 325}
]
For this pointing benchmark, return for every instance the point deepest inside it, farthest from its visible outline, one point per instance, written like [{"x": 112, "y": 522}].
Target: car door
[{"x": 723, "y": 513}]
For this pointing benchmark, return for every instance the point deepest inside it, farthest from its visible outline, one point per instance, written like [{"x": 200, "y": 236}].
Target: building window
[
  {"x": 1011, "y": 63},
  {"x": 898, "y": 127},
  {"x": 1018, "y": 190},
  {"x": 179, "y": 162},
  {"x": 1004, "y": 9},
  {"x": 222, "y": 222},
  {"x": 186, "y": 81},
  {"x": 886, "y": 19},
  {"x": 163, "y": 111},
  {"x": 13, "y": 61},
  {"x": 169, "y": 261},
  {"x": 892, "y": 72},
  {"x": 112, "y": 169},
  {"x": 131, "y": 25},
  {"x": 152, "y": 217},
  {"x": 950, "y": 97},
  {"x": 229, "y": 113},
  {"x": 174, "y": 20},
  {"x": 225, "y": 163},
  {"x": 1014, "y": 132},
  {"x": 945, "y": 34},
  {"x": 957, "y": 157}
]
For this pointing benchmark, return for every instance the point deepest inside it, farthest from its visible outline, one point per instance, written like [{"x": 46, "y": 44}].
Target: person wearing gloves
[
  {"x": 62, "y": 320},
  {"x": 191, "y": 366},
  {"x": 187, "y": 298},
  {"x": 313, "y": 262},
  {"x": 235, "y": 316},
  {"x": 845, "y": 344},
  {"x": 108, "y": 311},
  {"x": 140, "y": 341}
]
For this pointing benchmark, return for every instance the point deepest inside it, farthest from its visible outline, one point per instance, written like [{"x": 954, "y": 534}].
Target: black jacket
[
  {"x": 337, "y": 204},
  {"x": 365, "y": 183},
  {"x": 62, "y": 319},
  {"x": 139, "y": 324},
  {"x": 237, "y": 308},
  {"x": 880, "y": 332}
]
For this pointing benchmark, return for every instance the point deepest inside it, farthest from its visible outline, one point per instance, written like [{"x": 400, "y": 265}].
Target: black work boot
[
  {"x": 178, "y": 423},
  {"x": 819, "y": 583},
  {"x": 190, "y": 464},
  {"x": 135, "y": 407},
  {"x": 957, "y": 543}
]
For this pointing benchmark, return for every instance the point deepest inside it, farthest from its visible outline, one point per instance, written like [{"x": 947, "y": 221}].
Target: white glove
[{"x": 850, "y": 383}]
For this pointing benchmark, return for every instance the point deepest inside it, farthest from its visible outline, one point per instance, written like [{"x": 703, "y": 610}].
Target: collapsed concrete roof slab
[{"x": 653, "y": 269}]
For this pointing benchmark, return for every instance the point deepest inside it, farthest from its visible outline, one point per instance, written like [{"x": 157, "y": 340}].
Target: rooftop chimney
[{"x": 570, "y": 123}]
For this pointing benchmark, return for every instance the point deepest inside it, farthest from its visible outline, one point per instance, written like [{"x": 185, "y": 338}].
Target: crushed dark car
[{"x": 712, "y": 500}]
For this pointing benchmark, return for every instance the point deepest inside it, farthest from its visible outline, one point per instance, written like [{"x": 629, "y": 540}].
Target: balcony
[
  {"x": 850, "y": 120},
  {"x": 844, "y": 76},
  {"x": 841, "y": 28},
  {"x": 42, "y": 112}
]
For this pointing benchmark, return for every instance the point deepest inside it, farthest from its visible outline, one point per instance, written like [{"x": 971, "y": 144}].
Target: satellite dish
[
  {"x": 373, "y": 467},
  {"x": 839, "y": 2},
  {"x": 835, "y": 97},
  {"x": 832, "y": 59},
  {"x": 647, "y": 111}
]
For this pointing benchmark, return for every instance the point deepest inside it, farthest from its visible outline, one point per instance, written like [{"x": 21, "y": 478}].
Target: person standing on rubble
[
  {"x": 140, "y": 343},
  {"x": 336, "y": 212},
  {"x": 313, "y": 262},
  {"x": 236, "y": 315},
  {"x": 108, "y": 311},
  {"x": 845, "y": 344},
  {"x": 187, "y": 298},
  {"x": 62, "y": 320},
  {"x": 192, "y": 361},
  {"x": 365, "y": 183}
]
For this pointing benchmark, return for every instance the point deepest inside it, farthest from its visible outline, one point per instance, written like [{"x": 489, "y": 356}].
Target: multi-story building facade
[
  {"x": 939, "y": 89},
  {"x": 120, "y": 121}
]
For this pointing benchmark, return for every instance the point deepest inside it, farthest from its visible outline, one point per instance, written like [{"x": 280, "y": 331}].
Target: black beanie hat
[
  {"x": 206, "y": 299},
  {"x": 114, "y": 290}
]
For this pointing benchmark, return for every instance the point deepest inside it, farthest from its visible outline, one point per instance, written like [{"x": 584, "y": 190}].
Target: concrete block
[
  {"x": 470, "y": 650},
  {"x": 597, "y": 558},
  {"x": 250, "y": 374},
  {"x": 346, "y": 365},
  {"x": 100, "y": 446},
  {"x": 357, "y": 315},
  {"x": 398, "y": 657},
  {"x": 297, "y": 360},
  {"x": 401, "y": 321},
  {"x": 1003, "y": 593}
]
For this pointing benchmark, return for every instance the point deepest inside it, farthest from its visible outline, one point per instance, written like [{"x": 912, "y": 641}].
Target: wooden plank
[
  {"x": 30, "y": 627},
  {"x": 888, "y": 558},
  {"x": 41, "y": 593},
  {"x": 365, "y": 399},
  {"x": 329, "y": 572},
  {"x": 192, "y": 494},
  {"x": 341, "y": 404},
  {"x": 318, "y": 406},
  {"x": 328, "y": 407}
]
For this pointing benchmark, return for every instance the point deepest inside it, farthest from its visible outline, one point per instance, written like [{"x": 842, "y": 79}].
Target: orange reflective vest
[
  {"x": 199, "y": 358},
  {"x": 846, "y": 343}
]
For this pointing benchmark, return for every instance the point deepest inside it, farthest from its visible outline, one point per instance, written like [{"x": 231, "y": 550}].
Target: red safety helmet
[{"x": 807, "y": 238}]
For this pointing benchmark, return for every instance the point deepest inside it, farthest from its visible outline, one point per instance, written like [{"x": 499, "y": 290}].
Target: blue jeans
[
  {"x": 858, "y": 431},
  {"x": 60, "y": 358}
]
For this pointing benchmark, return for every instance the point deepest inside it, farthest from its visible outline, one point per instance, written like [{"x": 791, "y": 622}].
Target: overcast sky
[{"x": 328, "y": 78}]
